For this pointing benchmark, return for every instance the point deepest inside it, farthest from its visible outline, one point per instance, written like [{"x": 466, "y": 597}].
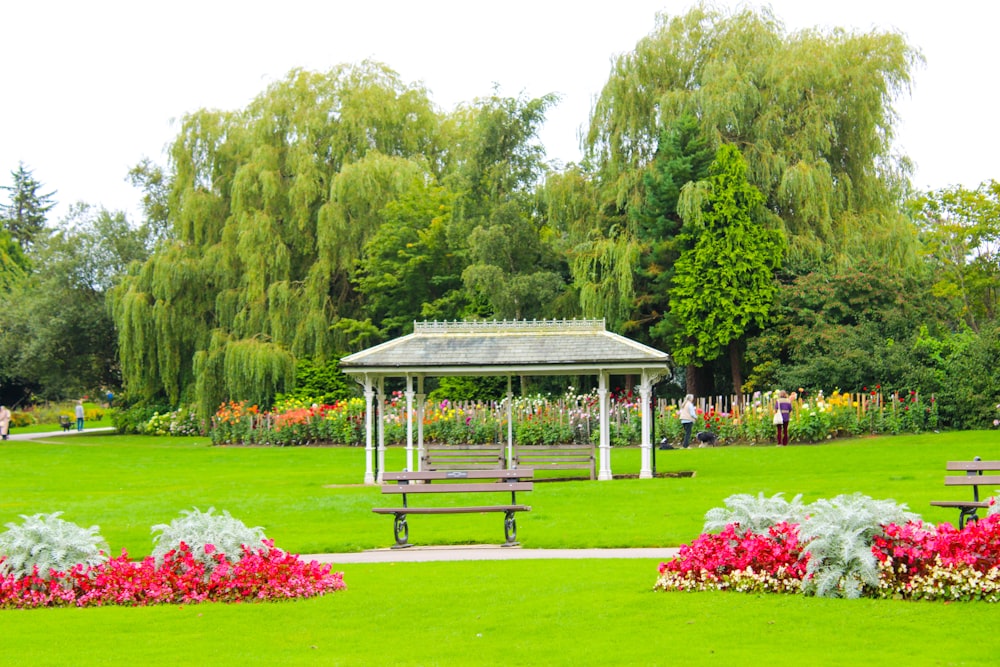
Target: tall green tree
[
  {"x": 512, "y": 268},
  {"x": 58, "y": 339},
  {"x": 683, "y": 156},
  {"x": 270, "y": 208},
  {"x": 724, "y": 285},
  {"x": 960, "y": 231},
  {"x": 822, "y": 159},
  {"x": 25, "y": 214},
  {"x": 409, "y": 270}
]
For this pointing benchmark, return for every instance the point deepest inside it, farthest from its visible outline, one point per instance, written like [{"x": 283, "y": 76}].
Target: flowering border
[
  {"x": 263, "y": 574},
  {"x": 916, "y": 561}
]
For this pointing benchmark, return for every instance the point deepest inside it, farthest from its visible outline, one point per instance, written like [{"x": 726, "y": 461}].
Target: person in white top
[
  {"x": 4, "y": 421},
  {"x": 79, "y": 415},
  {"x": 688, "y": 415}
]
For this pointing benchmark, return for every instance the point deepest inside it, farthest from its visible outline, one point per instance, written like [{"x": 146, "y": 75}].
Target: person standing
[
  {"x": 784, "y": 407},
  {"x": 688, "y": 415},
  {"x": 79, "y": 415},
  {"x": 4, "y": 421}
]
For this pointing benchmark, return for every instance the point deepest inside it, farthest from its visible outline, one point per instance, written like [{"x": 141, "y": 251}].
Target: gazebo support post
[
  {"x": 605, "y": 428},
  {"x": 645, "y": 388},
  {"x": 380, "y": 414},
  {"x": 421, "y": 404},
  {"x": 369, "y": 431},
  {"x": 510, "y": 423},
  {"x": 409, "y": 422}
]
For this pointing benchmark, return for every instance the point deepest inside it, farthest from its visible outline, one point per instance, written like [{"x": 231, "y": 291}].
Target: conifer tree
[{"x": 24, "y": 215}]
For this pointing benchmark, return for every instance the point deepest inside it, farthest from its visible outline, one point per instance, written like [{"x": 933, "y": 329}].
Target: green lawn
[
  {"x": 518, "y": 612},
  {"x": 310, "y": 500},
  {"x": 570, "y": 612}
]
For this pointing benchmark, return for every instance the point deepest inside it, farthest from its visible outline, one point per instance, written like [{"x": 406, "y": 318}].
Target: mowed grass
[
  {"x": 559, "y": 612},
  {"x": 310, "y": 500},
  {"x": 573, "y": 612}
]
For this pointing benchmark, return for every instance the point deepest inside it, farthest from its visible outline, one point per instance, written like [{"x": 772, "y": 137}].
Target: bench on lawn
[
  {"x": 975, "y": 478},
  {"x": 459, "y": 483},
  {"x": 557, "y": 457},
  {"x": 65, "y": 422},
  {"x": 463, "y": 457}
]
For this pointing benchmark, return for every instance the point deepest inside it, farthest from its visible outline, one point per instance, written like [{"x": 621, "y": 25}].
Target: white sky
[{"x": 90, "y": 88}]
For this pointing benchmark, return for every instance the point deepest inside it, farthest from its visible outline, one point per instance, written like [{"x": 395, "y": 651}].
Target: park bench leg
[
  {"x": 509, "y": 529},
  {"x": 967, "y": 514},
  {"x": 402, "y": 531}
]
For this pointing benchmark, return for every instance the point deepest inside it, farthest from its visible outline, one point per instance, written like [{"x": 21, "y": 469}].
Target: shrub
[
  {"x": 21, "y": 419},
  {"x": 44, "y": 543},
  {"x": 838, "y": 537},
  {"x": 755, "y": 514},
  {"x": 208, "y": 535}
]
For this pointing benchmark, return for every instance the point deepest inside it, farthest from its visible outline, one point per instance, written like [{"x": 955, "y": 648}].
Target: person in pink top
[{"x": 784, "y": 406}]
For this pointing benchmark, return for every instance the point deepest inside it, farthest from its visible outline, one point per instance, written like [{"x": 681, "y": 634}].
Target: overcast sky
[{"x": 90, "y": 88}]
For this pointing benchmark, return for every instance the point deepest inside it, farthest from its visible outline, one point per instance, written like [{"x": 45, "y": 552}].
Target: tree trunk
[
  {"x": 736, "y": 367},
  {"x": 698, "y": 380}
]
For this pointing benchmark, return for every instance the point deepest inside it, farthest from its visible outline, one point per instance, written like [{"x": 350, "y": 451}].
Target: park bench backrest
[{"x": 463, "y": 457}]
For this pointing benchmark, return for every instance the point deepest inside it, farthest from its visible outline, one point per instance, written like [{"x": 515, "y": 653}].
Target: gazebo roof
[{"x": 519, "y": 347}]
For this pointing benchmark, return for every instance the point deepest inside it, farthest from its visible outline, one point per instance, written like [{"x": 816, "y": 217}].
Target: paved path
[
  {"x": 418, "y": 554},
  {"x": 14, "y": 435}
]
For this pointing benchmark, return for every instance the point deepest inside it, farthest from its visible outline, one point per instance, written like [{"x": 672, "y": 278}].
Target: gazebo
[{"x": 501, "y": 348}]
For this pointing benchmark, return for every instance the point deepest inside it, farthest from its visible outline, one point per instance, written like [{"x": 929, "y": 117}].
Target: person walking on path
[
  {"x": 784, "y": 407},
  {"x": 79, "y": 415},
  {"x": 4, "y": 421},
  {"x": 688, "y": 415}
]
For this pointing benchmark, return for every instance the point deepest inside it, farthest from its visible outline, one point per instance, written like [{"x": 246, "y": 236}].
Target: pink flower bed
[
  {"x": 260, "y": 575},
  {"x": 940, "y": 564},
  {"x": 915, "y": 562},
  {"x": 731, "y": 561}
]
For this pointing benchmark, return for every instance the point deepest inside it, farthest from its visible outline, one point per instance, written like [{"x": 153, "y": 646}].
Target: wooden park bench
[
  {"x": 557, "y": 457},
  {"x": 463, "y": 457},
  {"x": 458, "y": 483},
  {"x": 974, "y": 477},
  {"x": 65, "y": 422}
]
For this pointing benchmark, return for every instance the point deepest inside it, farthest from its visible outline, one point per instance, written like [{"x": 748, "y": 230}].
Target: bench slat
[
  {"x": 558, "y": 457},
  {"x": 973, "y": 465},
  {"x": 958, "y": 503},
  {"x": 494, "y": 487},
  {"x": 463, "y": 457},
  {"x": 973, "y": 480},
  {"x": 452, "y": 510},
  {"x": 428, "y": 475}
]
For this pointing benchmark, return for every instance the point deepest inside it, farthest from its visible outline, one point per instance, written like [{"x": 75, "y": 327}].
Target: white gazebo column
[
  {"x": 645, "y": 388},
  {"x": 369, "y": 430},
  {"x": 605, "y": 428},
  {"x": 409, "y": 423},
  {"x": 510, "y": 425},
  {"x": 421, "y": 404},
  {"x": 380, "y": 448}
]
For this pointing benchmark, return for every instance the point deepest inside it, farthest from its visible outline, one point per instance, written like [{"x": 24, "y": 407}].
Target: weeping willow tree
[
  {"x": 269, "y": 210},
  {"x": 811, "y": 111}
]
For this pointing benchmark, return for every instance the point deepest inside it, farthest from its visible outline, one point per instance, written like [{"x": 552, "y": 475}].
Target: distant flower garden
[{"x": 571, "y": 418}]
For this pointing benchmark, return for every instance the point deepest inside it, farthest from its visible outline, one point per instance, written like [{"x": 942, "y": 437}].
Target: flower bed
[
  {"x": 570, "y": 418},
  {"x": 264, "y": 574},
  {"x": 915, "y": 561}
]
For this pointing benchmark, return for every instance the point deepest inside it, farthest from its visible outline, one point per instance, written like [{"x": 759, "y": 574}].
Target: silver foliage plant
[
  {"x": 196, "y": 529},
  {"x": 837, "y": 534},
  {"x": 754, "y": 514},
  {"x": 49, "y": 543}
]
